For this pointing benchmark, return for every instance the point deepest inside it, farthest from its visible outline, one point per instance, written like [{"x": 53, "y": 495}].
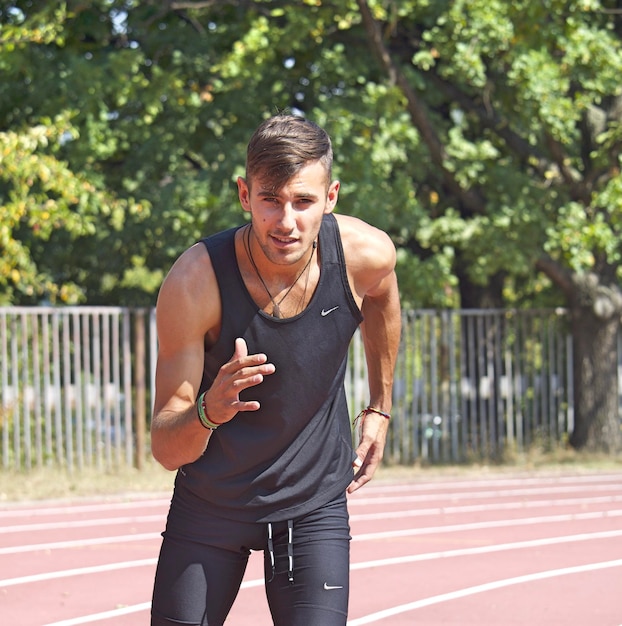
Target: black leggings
[{"x": 306, "y": 567}]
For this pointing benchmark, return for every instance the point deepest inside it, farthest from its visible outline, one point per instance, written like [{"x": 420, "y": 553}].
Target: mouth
[{"x": 283, "y": 242}]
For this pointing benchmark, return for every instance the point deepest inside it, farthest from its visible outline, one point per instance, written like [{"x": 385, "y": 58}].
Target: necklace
[{"x": 276, "y": 311}]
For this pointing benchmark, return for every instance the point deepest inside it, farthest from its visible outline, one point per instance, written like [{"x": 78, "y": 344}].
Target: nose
[{"x": 287, "y": 218}]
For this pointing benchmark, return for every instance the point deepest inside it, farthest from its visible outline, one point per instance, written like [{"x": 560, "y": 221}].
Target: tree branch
[
  {"x": 490, "y": 119},
  {"x": 517, "y": 144},
  {"x": 418, "y": 113},
  {"x": 578, "y": 191},
  {"x": 206, "y": 4},
  {"x": 560, "y": 275}
]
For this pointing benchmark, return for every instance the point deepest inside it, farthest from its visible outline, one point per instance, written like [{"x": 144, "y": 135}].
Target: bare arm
[
  {"x": 381, "y": 335},
  {"x": 188, "y": 309},
  {"x": 370, "y": 256}
]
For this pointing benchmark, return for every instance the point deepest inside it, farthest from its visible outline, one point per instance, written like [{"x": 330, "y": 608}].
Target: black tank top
[{"x": 295, "y": 453}]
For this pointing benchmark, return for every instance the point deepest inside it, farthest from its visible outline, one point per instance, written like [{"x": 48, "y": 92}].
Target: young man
[{"x": 254, "y": 325}]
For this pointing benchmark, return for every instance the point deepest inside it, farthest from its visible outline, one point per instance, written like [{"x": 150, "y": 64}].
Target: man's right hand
[{"x": 242, "y": 371}]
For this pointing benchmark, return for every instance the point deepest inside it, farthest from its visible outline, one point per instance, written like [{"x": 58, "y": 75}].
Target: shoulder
[
  {"x": 189, "y": 301},
  {"x": 369, "y": 253},
  {"x": 192, "y": 265},
  {"x": 358, "y": 235}
]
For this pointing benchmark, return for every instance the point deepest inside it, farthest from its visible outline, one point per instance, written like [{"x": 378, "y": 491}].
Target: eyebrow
[{"x": 266, "y": 193}]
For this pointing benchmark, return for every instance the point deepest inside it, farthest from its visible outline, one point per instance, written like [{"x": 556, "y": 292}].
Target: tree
[
  {"x": 162, "y": 97},
  {"x": 48, "y": 205},
  {"x": 524, "y": 126},
  {"x": 483, "y": 136}
]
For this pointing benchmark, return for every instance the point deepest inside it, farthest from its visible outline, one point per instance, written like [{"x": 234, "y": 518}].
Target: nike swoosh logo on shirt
[
  {"x": 329, "y": 587},
  {"x": 325, "y": 312}
]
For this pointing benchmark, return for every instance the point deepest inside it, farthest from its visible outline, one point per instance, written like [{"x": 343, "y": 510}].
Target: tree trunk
[
  {"x": 472, "y": 296},
  {"x": 597, "y": 426}
]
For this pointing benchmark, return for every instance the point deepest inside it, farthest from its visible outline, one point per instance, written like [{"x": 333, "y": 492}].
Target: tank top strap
[{"x": 333, "y": 260}]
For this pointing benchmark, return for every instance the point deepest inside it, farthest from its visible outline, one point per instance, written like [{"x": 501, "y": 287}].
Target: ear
[
  {"x": 244, "y": 194},
  {"x": 332, "y": 196}
]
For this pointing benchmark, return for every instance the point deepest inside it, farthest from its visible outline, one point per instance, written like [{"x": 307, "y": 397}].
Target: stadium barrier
[{"x": 77, "y": 383}]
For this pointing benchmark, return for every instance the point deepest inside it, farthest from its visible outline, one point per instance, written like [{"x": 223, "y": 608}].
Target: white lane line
[
  {"x": 372, "y": 564},
  {"x": 521, "y": 504},
  {"x": 472, "y": 508},
  {"x": 527, "y": 521},
  {"x": 34, "y": 509},
  {"x": 96, "y": 617},
  {"x": 491, "y": 586},
  {"x": 500, "y": 547},
  {"x": 127, "y": 610},
  {"x": 473, "y": 495},
  {"x": 72, "y": 509},
  {"x": 417, "y": 482},
  {"x": 389, "y": 534},
  {"x": 79, "y": 543},
  {"x": 59, "y": 507},
  {"x": 79, "y": 571},
  {"x": 96, "y": 569},
  {"x": 86, "y": 523}
]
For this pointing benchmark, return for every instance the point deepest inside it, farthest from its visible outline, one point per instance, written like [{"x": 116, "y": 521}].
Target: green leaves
[
  {"x": 40, "y": 196},
  {"x": 125, "y": 124}
]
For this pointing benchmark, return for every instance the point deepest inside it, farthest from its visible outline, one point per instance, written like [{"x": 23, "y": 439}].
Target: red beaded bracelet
[
  {"x": 374, "y": 410},
  {"x": 369, "y": 409}
]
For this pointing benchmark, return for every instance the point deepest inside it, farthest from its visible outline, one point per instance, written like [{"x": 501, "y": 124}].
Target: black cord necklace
[{"x": 276, "y": 311}]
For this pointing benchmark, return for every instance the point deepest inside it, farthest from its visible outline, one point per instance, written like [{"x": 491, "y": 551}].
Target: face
[{"x": 286, "y": 222}]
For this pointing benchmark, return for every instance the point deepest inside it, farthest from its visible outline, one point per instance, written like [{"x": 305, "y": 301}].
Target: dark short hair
[{"x": 284, "y": 144}]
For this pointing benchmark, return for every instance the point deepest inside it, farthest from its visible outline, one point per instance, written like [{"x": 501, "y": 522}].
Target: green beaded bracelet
[{"x": 204, "y": 418}]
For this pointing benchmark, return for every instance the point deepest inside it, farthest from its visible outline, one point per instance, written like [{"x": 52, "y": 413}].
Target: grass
[
  {"x": 53, "y": 483},
  {"x": 535, "y": 461}
]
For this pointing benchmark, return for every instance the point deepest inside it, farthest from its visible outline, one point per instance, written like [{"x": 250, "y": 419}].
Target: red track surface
[{"x": 495, "y": 550}]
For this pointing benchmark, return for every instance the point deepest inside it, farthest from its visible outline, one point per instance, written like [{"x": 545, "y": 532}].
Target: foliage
[
  {"x": 56, "y": 217},
  {"x": 484, "y": 136},
  {"x": 523, "y": 86},
  {"x": 124, "y": 124}
]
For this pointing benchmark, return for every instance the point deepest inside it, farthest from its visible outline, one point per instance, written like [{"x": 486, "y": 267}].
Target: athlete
[{"x": 254, "y": 325}]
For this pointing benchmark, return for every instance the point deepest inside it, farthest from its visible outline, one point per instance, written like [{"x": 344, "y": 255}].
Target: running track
[{"x": 523, "y": 549}]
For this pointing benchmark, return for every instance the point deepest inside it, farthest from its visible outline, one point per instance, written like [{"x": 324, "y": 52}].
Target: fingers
[
  {"x": 363, "y": 471},
  {"x": 242, "y": 371},
  {"x": 246, "y": 370},
  {"x": 241, "y": 349},
  {"x": 241, "y": 359},
  {"x": 357, "y": 482},
  {"x": 370, "y": 451}
]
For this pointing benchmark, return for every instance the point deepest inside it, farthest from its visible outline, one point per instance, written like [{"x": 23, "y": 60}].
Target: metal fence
[
  {"x": 73, "y": 386},
  {"x": 473, "y": 384},
  {"x": 76, "y": 385}
]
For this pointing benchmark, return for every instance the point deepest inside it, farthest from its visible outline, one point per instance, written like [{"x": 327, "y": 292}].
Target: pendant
[{"x": 276, "y": 312}]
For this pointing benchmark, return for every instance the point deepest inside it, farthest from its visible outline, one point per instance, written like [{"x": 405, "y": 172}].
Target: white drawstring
[
  {"x": 271, "y": 551},
  {"x": 290, "y": 551}
]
